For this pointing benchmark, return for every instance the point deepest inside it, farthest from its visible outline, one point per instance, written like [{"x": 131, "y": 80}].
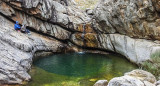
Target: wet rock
[
  {"x": 85, "y": 28},
  {"x": 101, "y": 83},
  {"x": 134, "y": 78},
  {"x": 89, "y": 39}
]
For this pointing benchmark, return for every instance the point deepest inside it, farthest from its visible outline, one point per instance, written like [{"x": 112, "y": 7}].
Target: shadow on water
[{"x": 75, "y": 69}]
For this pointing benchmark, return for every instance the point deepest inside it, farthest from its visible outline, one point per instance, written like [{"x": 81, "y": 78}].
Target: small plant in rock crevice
[{"x": 153, "y": 65}]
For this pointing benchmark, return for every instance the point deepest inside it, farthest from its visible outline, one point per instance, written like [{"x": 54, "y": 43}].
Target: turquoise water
[{"x": 74, "y": 69}]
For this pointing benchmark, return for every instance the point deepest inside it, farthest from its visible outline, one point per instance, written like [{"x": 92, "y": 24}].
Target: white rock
[
  {"x": 146, "y": 83},
  {"x": 101, "y": 83},
  {"x": 125, "y": 81},
  {"x": 136, "y": 50},
  {"x": 142, "y": 75},
  {"x": 158, "y": 83},
  {"x": 134, "y": 78}
]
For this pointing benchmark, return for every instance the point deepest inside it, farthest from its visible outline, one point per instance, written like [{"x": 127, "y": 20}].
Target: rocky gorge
[{"x": 127, "y": 27}]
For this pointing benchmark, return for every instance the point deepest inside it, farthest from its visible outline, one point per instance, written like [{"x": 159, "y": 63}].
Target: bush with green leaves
[{"x": 153, "y": 65}]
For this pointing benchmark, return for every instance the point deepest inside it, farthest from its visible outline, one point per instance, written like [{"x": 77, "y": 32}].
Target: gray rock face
[
  {"x": 54, "y": 18},
  {"x": 50, "y": 11},
  {"x": 17, "y": 50},
  {"x": 134, "y": 18},
  {"x": 134, "y": 78},
  {"x": 124, "y": 26},
  {"x": 136, "y": 50}
]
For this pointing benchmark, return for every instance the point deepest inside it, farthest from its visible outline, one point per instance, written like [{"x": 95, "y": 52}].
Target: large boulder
[
  {"x": 125, "y": 81},
  {"x": 142, "y": 75},
  {"x": 134, "y": 78}
]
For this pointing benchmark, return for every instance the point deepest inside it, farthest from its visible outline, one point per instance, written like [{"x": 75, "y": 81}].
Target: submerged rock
[{"x": 134, "y": 78}]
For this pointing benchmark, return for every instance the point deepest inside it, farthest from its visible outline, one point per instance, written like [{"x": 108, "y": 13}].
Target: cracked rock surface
[
  {"x": 17, "y": 50},
  {"x": 128, "y": 27}
]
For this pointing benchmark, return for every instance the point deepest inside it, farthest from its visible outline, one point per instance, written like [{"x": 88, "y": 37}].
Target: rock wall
[
  {"x": 135, "y": 21},
  {"x": 54, "y": 19},
  {"x": 128, "y": 27},
  {"x": 17, "y": 50},
  {"x": 134, "y": 18},
  {"x": 49, "y": 11},
  {"x": 136, "y": 50}
]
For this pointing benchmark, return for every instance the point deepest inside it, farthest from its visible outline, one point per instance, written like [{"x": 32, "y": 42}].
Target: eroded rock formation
[
  {"x": 54, "y": 19},
  {"x": 17, "y": 50},
  {"x": 134, "y": 18},
  {"x": 128, "y": 27}
]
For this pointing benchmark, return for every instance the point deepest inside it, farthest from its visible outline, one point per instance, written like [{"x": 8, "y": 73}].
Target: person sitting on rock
[
  {"x": 17, "y": 27},
  {"x": 24, "y": 29}
]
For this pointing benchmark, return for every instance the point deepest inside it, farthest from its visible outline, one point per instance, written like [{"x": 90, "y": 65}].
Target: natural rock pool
[{"x": 74, "y": 69}]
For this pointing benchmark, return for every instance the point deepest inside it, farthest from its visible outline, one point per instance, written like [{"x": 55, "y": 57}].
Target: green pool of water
[{"x": 74, "y": 69}]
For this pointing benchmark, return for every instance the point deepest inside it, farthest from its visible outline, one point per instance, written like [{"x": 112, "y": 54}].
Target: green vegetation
[
  {"x": 153, "y": 65},
  {"x": 83, "y": 4}
]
